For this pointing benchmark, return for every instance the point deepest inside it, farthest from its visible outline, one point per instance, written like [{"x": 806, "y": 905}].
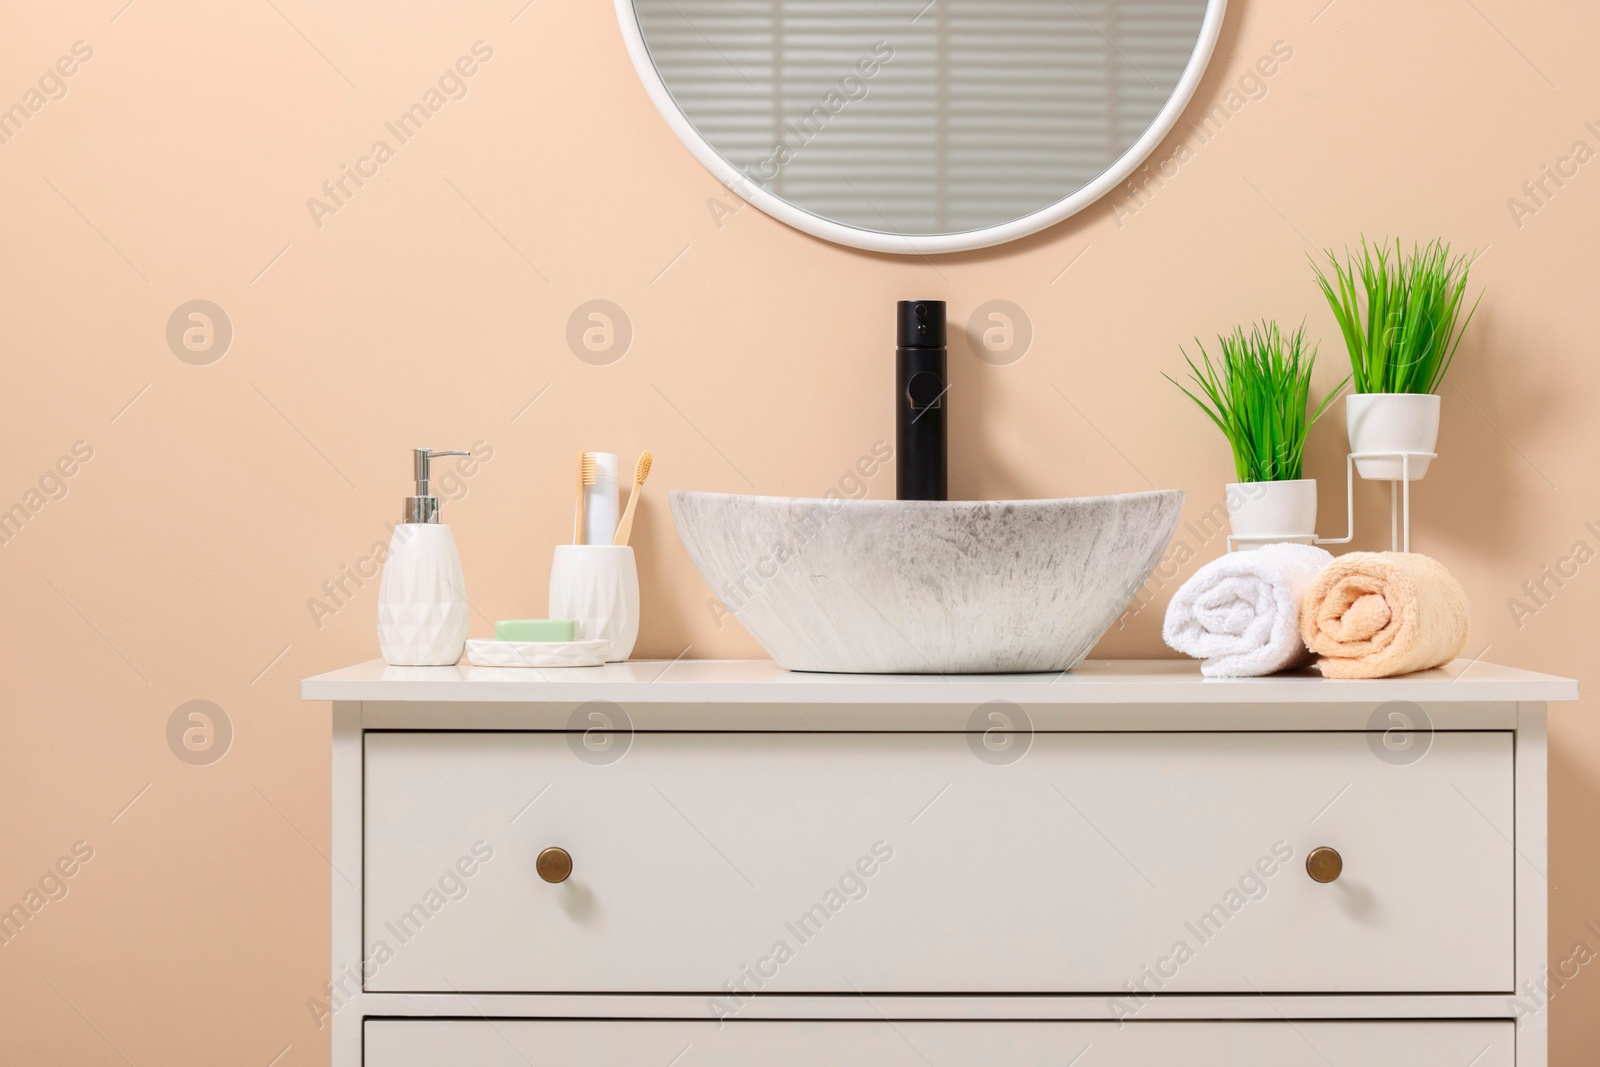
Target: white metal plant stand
[{"x": 1399, "y": 506}]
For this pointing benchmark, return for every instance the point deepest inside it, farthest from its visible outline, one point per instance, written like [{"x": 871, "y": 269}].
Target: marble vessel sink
[{"x": 925, "y": 587}]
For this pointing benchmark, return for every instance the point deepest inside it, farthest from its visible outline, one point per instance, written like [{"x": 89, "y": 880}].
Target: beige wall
[{"x": 432, "y": 307}]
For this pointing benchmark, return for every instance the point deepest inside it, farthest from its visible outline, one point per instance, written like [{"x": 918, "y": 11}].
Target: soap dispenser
[{"x": 422, "y": 599}]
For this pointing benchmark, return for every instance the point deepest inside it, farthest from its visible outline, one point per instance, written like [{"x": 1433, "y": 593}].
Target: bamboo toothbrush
[
  {"x": 640, "y": 473},
  {"x": 586, "y": 476}
]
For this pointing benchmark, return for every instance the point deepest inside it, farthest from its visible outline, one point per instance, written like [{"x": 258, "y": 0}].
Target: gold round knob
[
  {"x": 1324, "y": 864},
  {"x": 554, "y": 865}
]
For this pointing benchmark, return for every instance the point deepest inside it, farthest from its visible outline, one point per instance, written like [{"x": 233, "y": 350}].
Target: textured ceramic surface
[
  {"x": 923, "y": 587},
  {"x": 422, "y": 599},
  {"x": 598, "y": 586}
]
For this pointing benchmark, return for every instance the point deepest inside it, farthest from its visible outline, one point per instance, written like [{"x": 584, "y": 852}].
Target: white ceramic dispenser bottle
[{"x": 422, "y": 598}]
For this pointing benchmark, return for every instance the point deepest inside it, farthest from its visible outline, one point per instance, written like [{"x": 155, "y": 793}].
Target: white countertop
[{"x": 764, "y": 682}]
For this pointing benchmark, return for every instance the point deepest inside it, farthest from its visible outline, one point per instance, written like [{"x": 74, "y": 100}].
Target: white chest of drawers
[{"x": 775, "y": 868}]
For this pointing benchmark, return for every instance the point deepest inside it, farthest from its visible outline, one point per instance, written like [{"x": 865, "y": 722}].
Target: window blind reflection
[{"x": 921, "y": 118}]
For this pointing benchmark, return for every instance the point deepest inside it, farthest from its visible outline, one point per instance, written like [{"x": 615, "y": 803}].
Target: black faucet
[{"x": 922, "y": 395}]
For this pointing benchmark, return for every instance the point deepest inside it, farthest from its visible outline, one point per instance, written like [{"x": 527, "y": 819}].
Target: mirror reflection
[{"x": 918, "y": 117}]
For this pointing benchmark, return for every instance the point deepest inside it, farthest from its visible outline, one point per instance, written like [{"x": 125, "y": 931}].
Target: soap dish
[{"x": 488, "y": 652}]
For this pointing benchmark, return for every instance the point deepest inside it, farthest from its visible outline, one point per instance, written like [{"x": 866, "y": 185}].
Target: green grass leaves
[
  {"x": 1398, "y": 313},
  {"x": 1258, "y": 394}
]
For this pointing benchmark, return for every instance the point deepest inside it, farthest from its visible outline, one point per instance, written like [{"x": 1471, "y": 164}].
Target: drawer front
[
  {"x": 1117, "y": 864},
  {"x": 582, "y": 1043}
]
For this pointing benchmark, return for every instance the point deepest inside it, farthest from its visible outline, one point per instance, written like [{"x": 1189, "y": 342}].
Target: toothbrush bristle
[
  {"x": 643, "y": 470},
  {"x": 587, "y": 466}
]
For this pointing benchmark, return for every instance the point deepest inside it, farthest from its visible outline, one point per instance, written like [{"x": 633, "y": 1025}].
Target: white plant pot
[
  {"x": 1392, "y": 422},
  {"x": 1261, "y": 513}
]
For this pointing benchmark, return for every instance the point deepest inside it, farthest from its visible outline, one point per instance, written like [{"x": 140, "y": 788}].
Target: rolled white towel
[{"x": 1241, "y": 613}]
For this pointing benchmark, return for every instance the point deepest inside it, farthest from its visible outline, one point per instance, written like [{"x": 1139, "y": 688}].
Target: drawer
[
  {"x": 582, "y": 1043},
  {"x": 1116, "y": 864}
]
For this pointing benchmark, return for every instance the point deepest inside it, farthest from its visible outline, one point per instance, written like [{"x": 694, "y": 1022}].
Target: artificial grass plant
[
  {"x": 1398, "y": 313},
  {"x": 1257, "y": 394}
]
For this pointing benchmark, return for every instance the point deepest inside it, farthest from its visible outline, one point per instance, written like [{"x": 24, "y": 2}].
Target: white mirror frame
[{"x": 925, "y": 244}]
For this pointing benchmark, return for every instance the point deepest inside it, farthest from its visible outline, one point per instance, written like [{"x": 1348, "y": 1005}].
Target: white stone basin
[{"x": 926, "y": 587}]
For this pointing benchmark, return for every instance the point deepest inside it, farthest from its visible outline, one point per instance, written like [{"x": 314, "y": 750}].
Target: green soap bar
[{"x": 535, "y": 630}]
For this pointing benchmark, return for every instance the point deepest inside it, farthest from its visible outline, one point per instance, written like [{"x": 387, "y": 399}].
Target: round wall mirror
[{"x": 920, "y": 126}]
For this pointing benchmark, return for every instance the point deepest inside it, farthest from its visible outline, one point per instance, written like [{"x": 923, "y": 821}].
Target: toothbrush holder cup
[{"x": 598, "y": 586}]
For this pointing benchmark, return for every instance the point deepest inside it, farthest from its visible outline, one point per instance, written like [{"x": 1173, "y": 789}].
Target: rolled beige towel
[{"x": 1377, "y": 614}]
